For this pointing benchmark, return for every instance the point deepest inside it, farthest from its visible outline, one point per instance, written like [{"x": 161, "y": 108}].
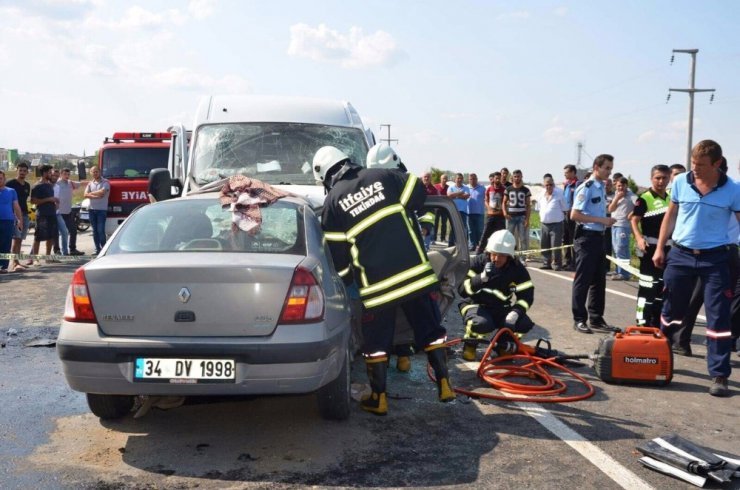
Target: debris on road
[{"x": 41, "y": 342}]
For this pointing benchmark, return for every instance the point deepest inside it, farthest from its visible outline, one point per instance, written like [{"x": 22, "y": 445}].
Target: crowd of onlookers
[
  {"x": 507, "y": 203},
  {"x": 54, "y": 223}
]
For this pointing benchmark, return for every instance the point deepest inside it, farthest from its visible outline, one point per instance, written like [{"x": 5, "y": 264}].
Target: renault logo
[{"x": 184, "y": 295}]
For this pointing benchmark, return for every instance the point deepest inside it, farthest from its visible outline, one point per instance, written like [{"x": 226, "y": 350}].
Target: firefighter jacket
[
  {"x": 508, "y": 288},
  {"x": 370, "y": 225}
]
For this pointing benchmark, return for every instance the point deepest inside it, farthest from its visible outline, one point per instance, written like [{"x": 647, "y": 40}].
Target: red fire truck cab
[{"x": 126, "y": 160}]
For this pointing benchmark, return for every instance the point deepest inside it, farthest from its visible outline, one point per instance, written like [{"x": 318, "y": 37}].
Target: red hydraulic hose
[{"x": 495, "y": 371}]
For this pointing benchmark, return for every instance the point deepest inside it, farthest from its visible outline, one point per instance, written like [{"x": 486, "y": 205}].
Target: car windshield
[
  {"x": 132, "y": 163},
  {"x": 276, "y": 153},
  {"x": 203, "y": 225}
]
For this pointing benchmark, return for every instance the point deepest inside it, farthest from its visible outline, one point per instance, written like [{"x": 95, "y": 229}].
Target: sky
[{"x": 467, "y": 86}]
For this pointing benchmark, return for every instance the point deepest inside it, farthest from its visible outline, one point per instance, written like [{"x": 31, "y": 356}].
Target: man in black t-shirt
[
  {"x": 23, "y": 189},
  {"x": 517, "y": 207},
  {"x": 42, "y": 195}
]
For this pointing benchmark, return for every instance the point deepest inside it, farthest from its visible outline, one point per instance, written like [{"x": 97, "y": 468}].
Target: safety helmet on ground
[
  {"x": 325, "y": 159},
  {"x": 501, "y": 242},
  {"x": 383, "y": 156}
]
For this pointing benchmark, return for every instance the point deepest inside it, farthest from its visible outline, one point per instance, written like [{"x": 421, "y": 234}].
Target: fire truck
[{"x": 126, "y": 160}]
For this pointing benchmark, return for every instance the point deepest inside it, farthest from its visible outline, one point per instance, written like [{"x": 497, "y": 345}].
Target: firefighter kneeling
[
  {"x": 499, "y": 292},
  {"x": 365, "y": 210}
]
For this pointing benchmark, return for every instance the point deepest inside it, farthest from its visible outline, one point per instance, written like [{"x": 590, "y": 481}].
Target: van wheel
[
  {"x": 334, "y": 398},
  {"x": 109, "y": 407}
]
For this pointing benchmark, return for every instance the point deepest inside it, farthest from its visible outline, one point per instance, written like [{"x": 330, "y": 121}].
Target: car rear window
[{"x": 202, "y": 225}]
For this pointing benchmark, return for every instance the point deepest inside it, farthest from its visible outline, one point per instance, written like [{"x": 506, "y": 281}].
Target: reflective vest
[
  {"x": 369, "y": 224},
  {"x": 656, "y": 207}
]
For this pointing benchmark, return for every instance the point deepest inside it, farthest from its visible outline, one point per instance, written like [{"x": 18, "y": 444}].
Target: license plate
[{"x": 185, "y": 370}]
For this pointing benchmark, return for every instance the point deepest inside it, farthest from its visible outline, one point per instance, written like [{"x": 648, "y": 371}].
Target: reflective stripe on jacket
[
  {"x": 369, "y": 224},
  {"x": 508, "y": 287}
]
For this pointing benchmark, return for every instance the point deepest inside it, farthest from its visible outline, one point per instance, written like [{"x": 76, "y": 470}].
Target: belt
[
  {"x": 721, "y": 248},
  {"x": 654, "y": 241},
  {"x": 591, "y": 232}
]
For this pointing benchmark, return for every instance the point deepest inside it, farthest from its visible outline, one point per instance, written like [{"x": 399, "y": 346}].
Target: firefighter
[
  {"x": 383, "y": 156},
  {"x": 499, "y": 292},
  {"x": 363, "y": 208}
]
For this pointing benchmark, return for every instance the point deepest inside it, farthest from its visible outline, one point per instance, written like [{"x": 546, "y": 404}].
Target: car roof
[{"x": 265, "y": 108}]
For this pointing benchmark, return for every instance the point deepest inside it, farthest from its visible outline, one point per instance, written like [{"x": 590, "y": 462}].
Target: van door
[{"x": 178, "y": 158}]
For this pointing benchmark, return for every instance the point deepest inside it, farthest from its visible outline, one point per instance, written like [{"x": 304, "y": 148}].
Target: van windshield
[{"x": 276, "y": 153}]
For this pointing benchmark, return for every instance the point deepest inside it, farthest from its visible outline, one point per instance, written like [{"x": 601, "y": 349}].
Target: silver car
[{"x": 181, "y": 302}]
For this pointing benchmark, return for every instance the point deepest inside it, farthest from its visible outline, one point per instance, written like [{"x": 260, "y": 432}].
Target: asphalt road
[{"x": 50, "y": 440}]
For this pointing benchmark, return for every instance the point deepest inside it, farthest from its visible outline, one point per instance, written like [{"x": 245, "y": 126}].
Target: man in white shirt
[{"x": 552, "y": 208}]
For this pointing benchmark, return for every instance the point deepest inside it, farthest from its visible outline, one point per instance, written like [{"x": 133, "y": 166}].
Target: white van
[{"x": 272, "y": 139}]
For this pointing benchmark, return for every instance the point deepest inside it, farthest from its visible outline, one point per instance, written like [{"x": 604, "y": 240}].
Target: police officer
[
  {"x": 499, "y": 292},
  {"x": 646, "y": 218},
  {"x": 589, "y": 213},
  {"x": 363, "y": 208},
  {"x": 702, "y": 203}
]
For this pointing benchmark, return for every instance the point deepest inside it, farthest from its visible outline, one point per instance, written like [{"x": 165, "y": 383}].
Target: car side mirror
[{"x": 160, "y": 185}]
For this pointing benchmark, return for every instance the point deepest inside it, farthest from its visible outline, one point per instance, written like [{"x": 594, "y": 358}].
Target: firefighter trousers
[
  {"x": 378, "y": 325},
  {"x": 481, "y": 322}
]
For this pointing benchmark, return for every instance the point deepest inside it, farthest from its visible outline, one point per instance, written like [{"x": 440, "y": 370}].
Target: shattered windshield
[{"x": 276, "y": 153}]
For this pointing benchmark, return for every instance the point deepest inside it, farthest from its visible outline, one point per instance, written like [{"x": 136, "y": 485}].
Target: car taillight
[
  {"x": 305, "y": 299},
  {"x": 78, "y": 307}
]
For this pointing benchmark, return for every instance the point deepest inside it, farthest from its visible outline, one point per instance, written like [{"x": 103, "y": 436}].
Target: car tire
[
  {"x": 334, "y": 398},
  {"x": 109, "y": 407}
]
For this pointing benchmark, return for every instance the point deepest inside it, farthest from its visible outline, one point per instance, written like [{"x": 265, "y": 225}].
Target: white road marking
[
  {"x": 610, "y": 466},
  {"x": 613, "y": 291}
]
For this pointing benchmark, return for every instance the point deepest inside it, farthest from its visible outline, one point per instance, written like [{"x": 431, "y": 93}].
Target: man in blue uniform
[
  {"x": 589, "y": 213},
  {"x": 702, "y": 202}
]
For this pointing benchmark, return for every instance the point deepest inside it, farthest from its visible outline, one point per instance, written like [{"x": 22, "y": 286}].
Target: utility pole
[
  {"x": 580, "y": 149},
  {"x": 691, "y": 91},
  {"x": 388, "y": 139}
]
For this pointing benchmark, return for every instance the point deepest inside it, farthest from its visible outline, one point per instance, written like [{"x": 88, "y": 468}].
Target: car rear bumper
[{"x": 290, "y": 361}]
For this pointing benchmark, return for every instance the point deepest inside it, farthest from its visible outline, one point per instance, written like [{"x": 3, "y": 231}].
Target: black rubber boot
[
  {"x": 376, "y": 402},
  {"x": 438, "y": 359}
]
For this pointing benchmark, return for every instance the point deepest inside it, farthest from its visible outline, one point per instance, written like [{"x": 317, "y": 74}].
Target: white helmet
[
  {"x": 501, "y": 242},
  {"x": 383, "y": 156},
  {"x": 325, "y": 159}
]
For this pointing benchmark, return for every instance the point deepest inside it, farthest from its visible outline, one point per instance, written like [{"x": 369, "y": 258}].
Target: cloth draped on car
[{"x": 244, "y": 196}]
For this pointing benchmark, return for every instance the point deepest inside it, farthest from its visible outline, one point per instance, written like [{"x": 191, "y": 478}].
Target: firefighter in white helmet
[
  {"x": 362, "y": 209},
  {"x": 383, "y": 156},
  {"x": 498, "y": 293}
]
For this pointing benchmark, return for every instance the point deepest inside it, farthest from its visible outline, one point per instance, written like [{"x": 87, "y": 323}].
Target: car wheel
[
  {"x": 110, "y": 406},
  {"x": 334, "y": 398}
]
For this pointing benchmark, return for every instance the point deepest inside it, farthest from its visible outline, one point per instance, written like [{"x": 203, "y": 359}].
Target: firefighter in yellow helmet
[
  {"x": 363, "y": 208},
  {"x": 498, "y": 293}
]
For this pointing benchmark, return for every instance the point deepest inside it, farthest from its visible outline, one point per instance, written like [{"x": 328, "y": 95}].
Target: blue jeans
[
  {"x": 621, "y": 246},
  {"x": 97, "y": 221},
  {"x": 475, "y": 229},
  {"x": 7, "y": 226},
  {"x": 515, "y": 224},
  {"x": 453, "y": 238},
  {"x": 63, "y": 233}
]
